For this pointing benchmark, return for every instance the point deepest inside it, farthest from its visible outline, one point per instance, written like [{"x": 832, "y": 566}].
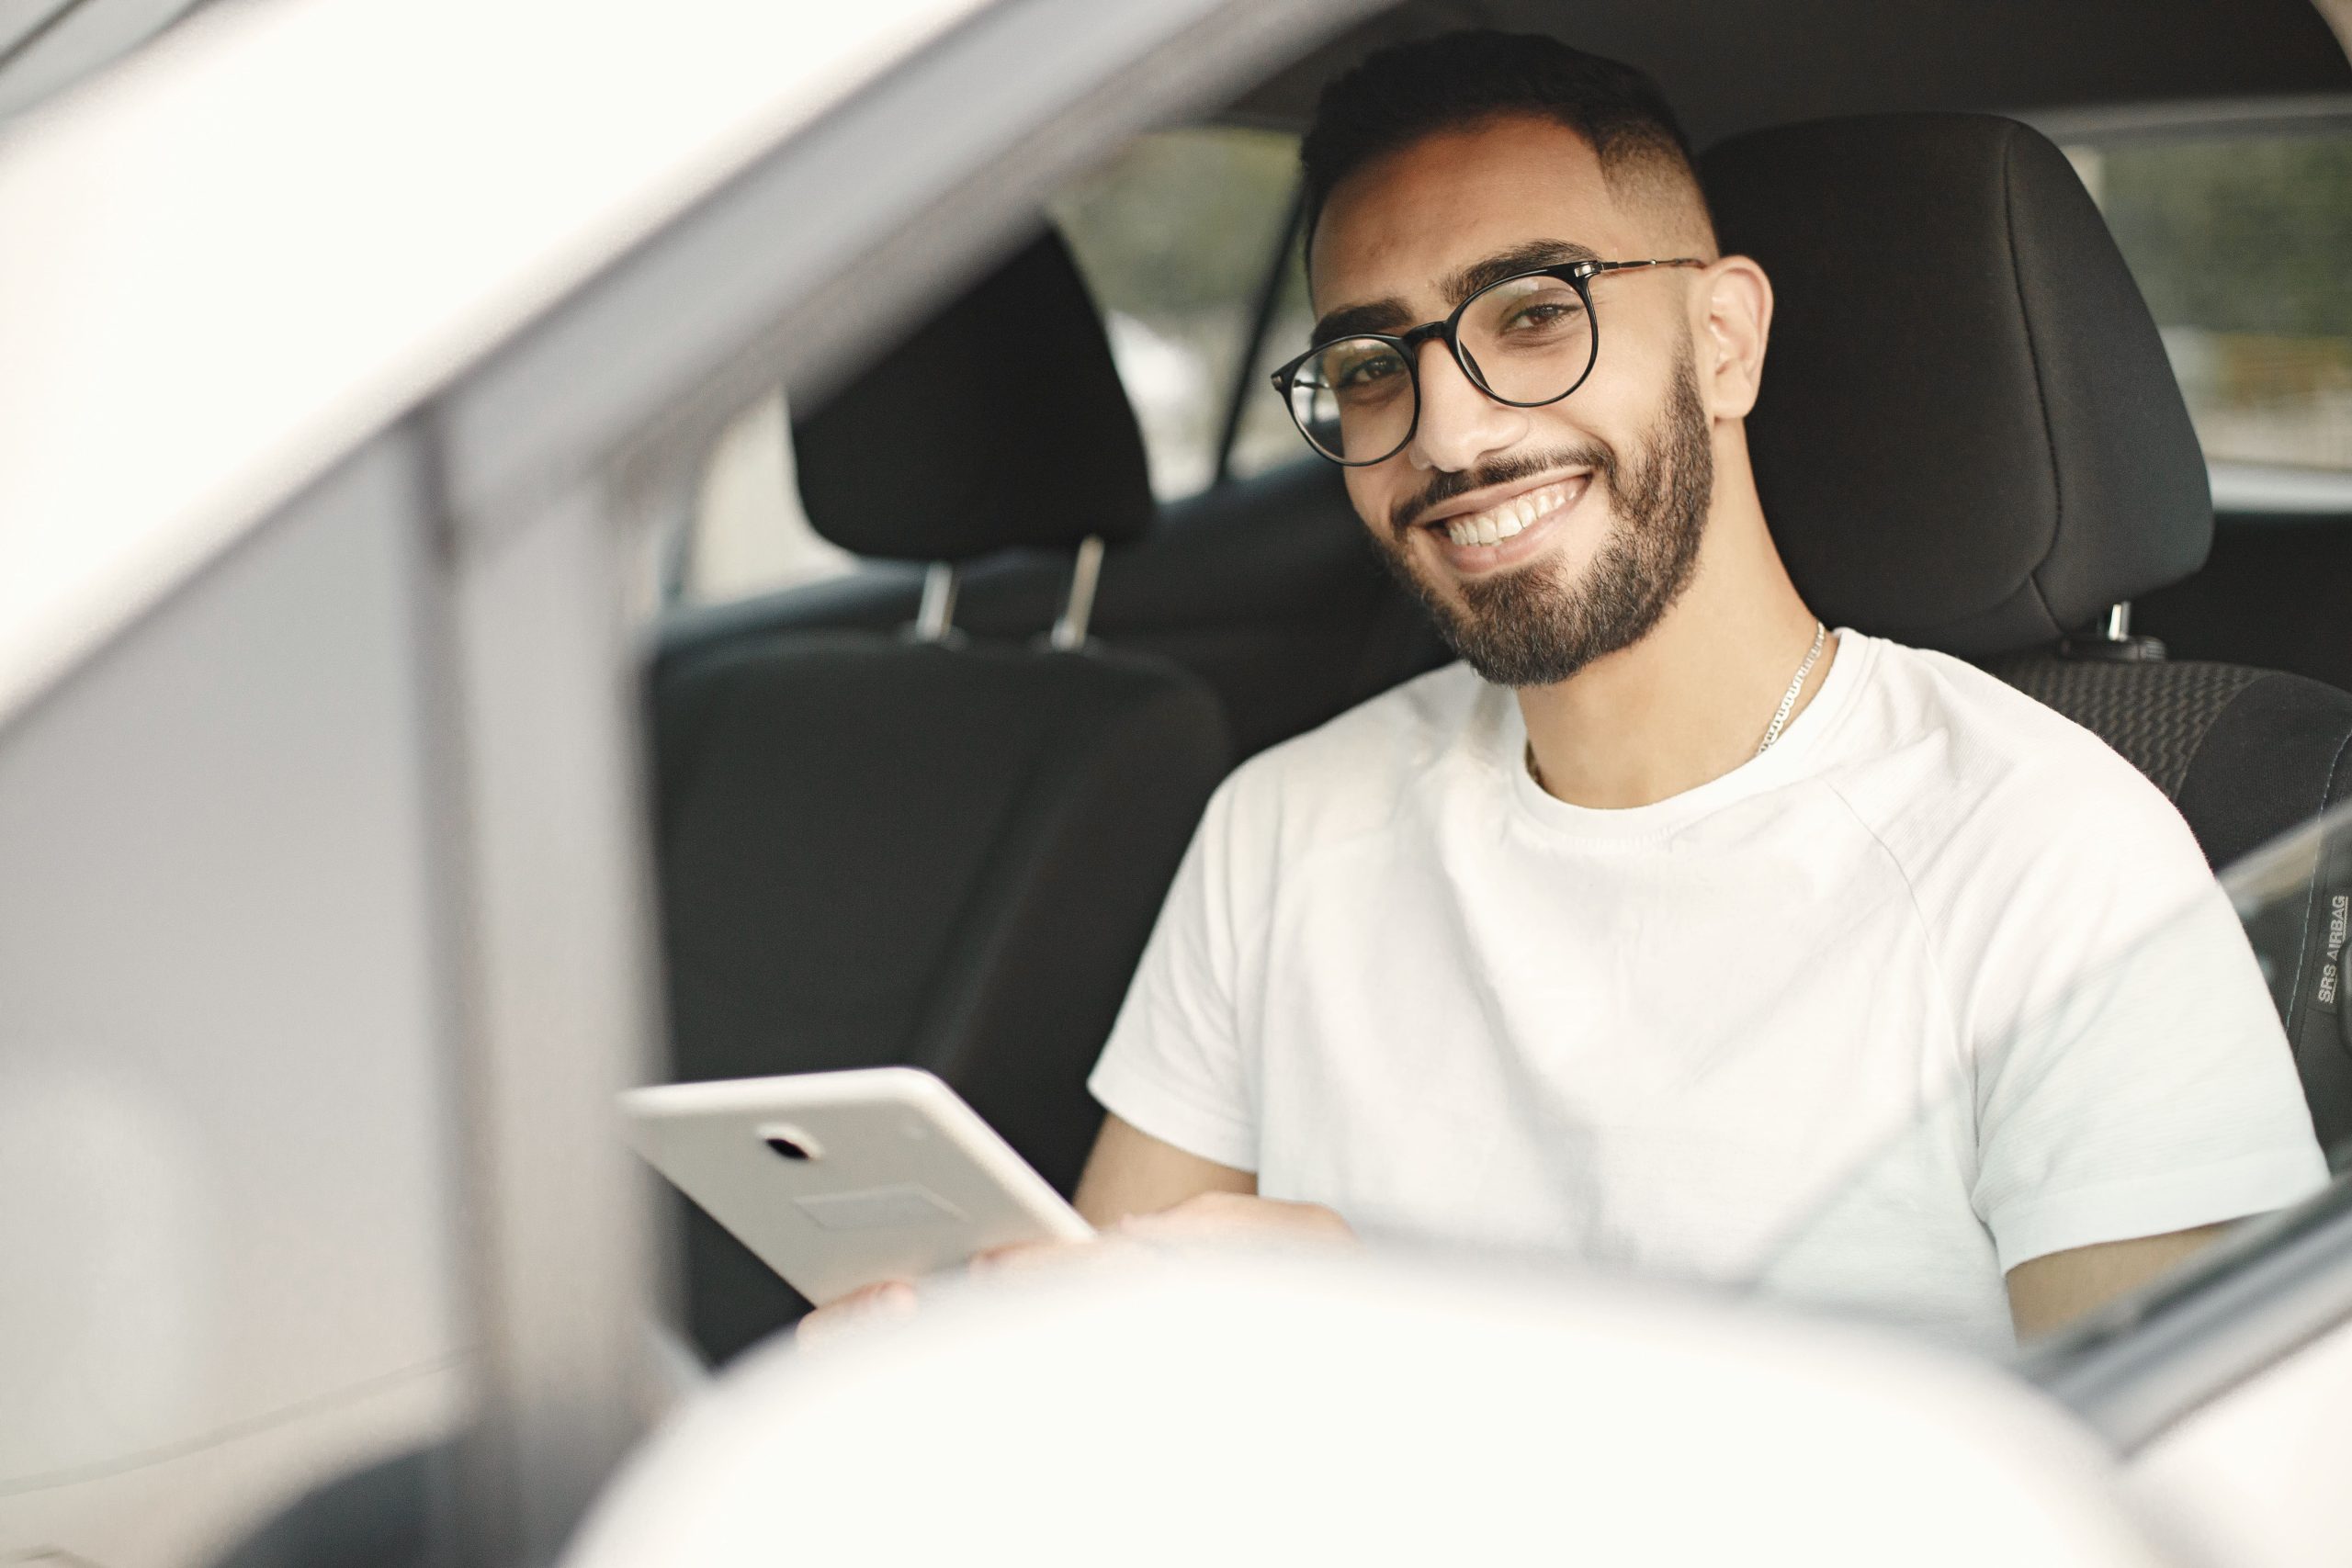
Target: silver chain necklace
[
  {"x": 1789, "y": 697},
  {"x": 1780, "y": 715}
]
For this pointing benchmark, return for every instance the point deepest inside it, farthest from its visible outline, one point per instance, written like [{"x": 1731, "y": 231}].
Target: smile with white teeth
[{"x": 1498, "y": 522}]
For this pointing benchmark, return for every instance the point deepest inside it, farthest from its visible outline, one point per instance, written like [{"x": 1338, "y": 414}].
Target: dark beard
[{"x": 1524, "y": 628}]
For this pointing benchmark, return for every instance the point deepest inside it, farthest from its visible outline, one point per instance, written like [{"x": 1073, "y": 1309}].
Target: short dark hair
[{"x": 1399, "y": 95}]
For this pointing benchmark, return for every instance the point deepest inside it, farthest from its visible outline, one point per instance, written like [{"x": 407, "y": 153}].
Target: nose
[{"x": 1460, "y": 426}]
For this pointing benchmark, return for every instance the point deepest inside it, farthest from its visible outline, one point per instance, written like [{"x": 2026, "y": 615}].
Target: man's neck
[{"x": 1692, "y": 700}]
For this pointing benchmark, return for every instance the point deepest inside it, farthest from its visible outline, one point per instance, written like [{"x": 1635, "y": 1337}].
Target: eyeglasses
[{"x": 1526, "y": 340}]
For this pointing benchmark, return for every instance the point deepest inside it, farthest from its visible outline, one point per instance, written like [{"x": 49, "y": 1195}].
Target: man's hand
[
  {"x": 1208, "y": 1218},
  {"x": 887, "y": 1301},
  {"x": 1132, "y": 1179},
  {"x": 1237, "y": 1216}
]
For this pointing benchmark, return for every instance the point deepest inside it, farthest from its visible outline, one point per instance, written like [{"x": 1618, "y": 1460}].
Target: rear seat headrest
[
  {"x": 1968, "y": 436},
  {"x": 1001, "y": 422}
]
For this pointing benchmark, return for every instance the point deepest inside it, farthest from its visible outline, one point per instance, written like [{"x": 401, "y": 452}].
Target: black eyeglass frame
[{"x": 1577, "y": 276}]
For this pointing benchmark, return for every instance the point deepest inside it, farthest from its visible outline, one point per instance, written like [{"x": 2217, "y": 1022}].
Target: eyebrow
[{"x": 1388, "y": 314}]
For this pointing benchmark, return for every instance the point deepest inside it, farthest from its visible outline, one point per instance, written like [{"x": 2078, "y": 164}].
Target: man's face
[{"x": 1610, "y": 486}]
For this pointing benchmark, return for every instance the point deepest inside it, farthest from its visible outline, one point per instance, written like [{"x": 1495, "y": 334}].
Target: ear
[{"x": 1733, "y": 305}]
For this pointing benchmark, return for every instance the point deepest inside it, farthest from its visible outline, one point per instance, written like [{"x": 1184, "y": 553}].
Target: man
[{"x": 1641, "y": 932}]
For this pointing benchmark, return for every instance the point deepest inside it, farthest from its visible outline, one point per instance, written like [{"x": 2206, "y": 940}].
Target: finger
[
  {"x": 882, "y": 1292},
  {"x": 1021, "y": 1255},
  {"x": 887, "y": 1301}
]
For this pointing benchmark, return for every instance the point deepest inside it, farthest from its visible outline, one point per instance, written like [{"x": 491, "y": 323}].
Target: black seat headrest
[
  {"x": 1968, "y": 436},
  {"x": 1001, "y": 422}
]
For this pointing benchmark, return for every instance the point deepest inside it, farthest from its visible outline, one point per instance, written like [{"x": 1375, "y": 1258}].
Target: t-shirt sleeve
[
  {"x": 1176, "y": 1066},
  {"x": 2132, "y": 1077}
]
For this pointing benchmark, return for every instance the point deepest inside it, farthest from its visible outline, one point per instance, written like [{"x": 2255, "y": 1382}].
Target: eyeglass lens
[{"x": 1525, "y": 340}]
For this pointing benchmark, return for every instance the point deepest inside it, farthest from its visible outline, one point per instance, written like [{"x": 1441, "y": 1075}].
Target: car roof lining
[{"x": 1759, "y": 62}]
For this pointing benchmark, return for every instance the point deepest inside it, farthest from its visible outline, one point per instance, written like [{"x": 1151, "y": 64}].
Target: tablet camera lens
[{"x": 787, "y": 1149}]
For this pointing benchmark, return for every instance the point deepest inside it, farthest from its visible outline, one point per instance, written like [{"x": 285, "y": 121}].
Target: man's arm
[
  {"x": 2048, "y": 1292},
  {"x": 1131, "y": 1172}
]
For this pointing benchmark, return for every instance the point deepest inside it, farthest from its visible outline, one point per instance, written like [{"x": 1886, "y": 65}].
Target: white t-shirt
[{"x": 1936, "y": 984}]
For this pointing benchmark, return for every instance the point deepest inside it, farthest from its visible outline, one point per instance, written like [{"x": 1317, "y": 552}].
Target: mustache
[{"x": 1448, "y": 486}]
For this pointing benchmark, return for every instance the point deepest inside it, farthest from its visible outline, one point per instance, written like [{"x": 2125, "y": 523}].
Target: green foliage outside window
[
  {"x": 1182, "y": 221},
  {"x": 2243, "y": 246},
  {"x": 2244, "y": 234},
  {"x": 1174, "y": 235}
]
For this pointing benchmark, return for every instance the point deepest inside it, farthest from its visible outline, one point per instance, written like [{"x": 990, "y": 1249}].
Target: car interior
[{"x": 922, "y": 806}]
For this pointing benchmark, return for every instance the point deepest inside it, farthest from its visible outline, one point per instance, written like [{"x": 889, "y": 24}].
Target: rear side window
[
  {"x": 2241, "y": 243},
  {"x": 1265, "y": 438},
  {"x": 748, "y": 534},
  {"x": 1175, "y": 236}
]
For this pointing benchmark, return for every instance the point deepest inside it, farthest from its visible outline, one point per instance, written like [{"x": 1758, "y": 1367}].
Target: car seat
[
  {"x": 1968, "y": 438},
  {"x": 913, "y": 847}
]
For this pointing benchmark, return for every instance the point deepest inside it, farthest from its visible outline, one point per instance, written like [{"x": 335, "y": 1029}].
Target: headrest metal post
[
  {"x": 935, "y": 620},
  {"x": 1069, "y": 631},
  {"x": 2109, "y": 641}
]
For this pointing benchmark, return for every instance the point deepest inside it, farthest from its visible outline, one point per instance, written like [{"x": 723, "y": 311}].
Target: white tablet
[{"x": 842, "y": 1180}]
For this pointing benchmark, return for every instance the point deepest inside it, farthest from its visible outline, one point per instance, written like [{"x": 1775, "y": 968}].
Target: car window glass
[
  {"x": 1266, "y": 438},
  {"x": 748, "y": 533},
  {"x": 1174, "y": 235},
  {"x": 2239, "y": 241}
]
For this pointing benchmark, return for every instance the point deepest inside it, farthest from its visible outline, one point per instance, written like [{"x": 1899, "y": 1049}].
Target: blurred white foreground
[{"x": 1266, "y": 1409}]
